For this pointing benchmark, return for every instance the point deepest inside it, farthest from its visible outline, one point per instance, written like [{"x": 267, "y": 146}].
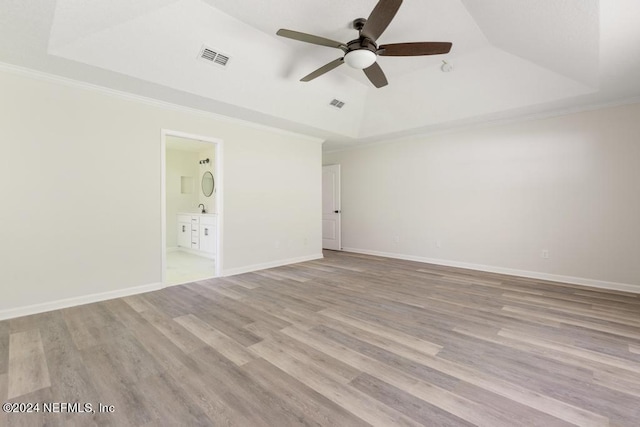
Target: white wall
[
  {"x": 80, "y": 180},
  {"x": 496, "y": 197},
  {"x": 180, "y": 164}
]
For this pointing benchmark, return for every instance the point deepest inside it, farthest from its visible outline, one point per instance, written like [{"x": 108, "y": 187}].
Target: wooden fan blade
[
  {"x": 324, "y": 69},
  {"x": 376, "y": 75},
  {"x": 380, "y": 18},
  {"x": 309, "y": 38},
  {"x": 414, "y": 49}
]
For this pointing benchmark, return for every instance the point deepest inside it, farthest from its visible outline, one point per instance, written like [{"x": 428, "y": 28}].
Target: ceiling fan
[{"x": 361, "y": 53}]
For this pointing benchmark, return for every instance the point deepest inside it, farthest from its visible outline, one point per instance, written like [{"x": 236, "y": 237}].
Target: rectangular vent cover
[
  {"x": 221, "y": 59},
  {"x": 213, "y": 56},
  {"x": 337, "y": 103}
]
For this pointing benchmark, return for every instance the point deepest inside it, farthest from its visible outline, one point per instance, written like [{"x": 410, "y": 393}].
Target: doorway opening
[{"x": 191, "y": 207}]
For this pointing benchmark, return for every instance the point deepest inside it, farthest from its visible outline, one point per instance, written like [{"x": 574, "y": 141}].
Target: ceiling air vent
[
  {"x": 221, "y": 59},
  {"x": 213, "y": 56},
  {"x": 337, "y": 103}
]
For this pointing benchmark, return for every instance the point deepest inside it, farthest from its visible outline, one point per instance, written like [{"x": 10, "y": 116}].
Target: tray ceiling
[{"x": 510, "y": 57}]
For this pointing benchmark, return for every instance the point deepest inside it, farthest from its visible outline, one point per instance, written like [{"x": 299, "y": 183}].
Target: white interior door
[{"x": 331, "y": 230}]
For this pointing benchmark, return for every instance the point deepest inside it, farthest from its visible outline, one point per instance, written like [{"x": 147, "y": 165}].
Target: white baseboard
[
  {"x": 12, "y": 313},
  {"x": 173, "y": 249},
  {"x": 272, "y": 264},
  {"x": 87, "y": 299},
  {"x": 72, "y": 302},
  {"x": 615, "y": 286}
]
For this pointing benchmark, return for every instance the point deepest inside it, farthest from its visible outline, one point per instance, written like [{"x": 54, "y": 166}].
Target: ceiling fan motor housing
[{"x": 362, "y": 43}]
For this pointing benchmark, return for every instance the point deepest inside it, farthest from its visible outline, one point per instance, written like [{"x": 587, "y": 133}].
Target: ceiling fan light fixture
[
  {"x": 362, "y": 52},
  {"x": 360, "y": 58}
]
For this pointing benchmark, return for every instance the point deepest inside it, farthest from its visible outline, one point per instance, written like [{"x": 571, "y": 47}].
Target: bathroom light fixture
[{"x": 204, "y": 162}]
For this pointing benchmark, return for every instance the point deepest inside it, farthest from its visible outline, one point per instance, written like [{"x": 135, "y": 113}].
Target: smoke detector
[{"x": 446, "y": 67}]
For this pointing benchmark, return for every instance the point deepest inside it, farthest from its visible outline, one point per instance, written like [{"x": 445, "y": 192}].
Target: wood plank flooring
[{"x": 350, "y": 340}]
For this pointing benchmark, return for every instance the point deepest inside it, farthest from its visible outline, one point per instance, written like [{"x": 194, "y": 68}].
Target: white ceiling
[{"x": 511, "y": 58}]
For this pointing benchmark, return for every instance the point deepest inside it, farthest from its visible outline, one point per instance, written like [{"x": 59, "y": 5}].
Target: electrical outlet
[
  {"x": 544, "y": 254},
  {"x": 276, "y": 244}
]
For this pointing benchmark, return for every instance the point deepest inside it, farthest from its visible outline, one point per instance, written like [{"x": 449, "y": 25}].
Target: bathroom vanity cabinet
[{"x": 197, "y": 233}]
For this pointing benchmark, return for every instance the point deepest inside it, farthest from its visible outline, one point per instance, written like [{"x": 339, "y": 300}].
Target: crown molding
[
  {"x": 471, "y": 124},
  {"x": 479, "y": 123},
  {"x": 65, "y": 81}
]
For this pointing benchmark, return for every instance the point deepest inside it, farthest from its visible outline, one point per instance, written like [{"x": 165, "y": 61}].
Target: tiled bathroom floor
[{"x": 183, "y": 267}]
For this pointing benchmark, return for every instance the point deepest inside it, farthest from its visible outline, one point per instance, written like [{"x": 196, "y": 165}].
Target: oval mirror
[{"x": 207, "y": 184}]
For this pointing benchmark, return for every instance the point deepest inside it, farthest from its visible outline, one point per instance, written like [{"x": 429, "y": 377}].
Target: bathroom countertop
[{"x": 197, "y": 213}]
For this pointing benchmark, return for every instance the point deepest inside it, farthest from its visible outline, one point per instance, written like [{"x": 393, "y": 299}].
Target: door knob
[{"x": 336, "y": 211}]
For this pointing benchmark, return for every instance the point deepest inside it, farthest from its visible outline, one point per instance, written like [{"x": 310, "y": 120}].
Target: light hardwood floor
[{"x": 350, "y": 340}]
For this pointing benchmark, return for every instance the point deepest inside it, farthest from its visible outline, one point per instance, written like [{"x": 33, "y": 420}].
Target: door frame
[{"x": 219, "y": 190}]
